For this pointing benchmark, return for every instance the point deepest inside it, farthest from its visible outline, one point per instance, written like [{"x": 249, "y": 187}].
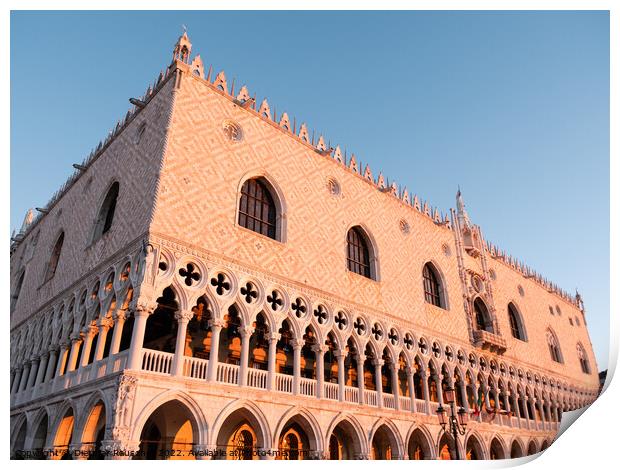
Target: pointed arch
[
  {"x": 420, "y": 444},
  {"x": 307, "y": 421},
  {"x": 361, "y": 253},
  {"x": 52, "y": 264},
  {"x": 261, "y": 206},
  {"x": 515, "y": 319},
  {"x": 105, "y": 215},
  {"x": 383, "y": 434},
  {"x": 434, "y": 284},
  {"x": 236, "y": 414},
  {"x": 345, "y": 438},
  {"x": 554, "y": 346}
]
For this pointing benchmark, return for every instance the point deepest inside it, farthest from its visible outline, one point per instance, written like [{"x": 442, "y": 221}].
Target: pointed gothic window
[
  {"x": 432, "y": 286},
  {"x": 55, "y": 257},
  {"x": 257, "y": 210},
  {"x": 105, "y": 217},
  {"x": 358, "y": 253},
  {"x": 583, "y": 359},
  {"x": 18, "y": 288},
  {"x": 516, "y": 323},
  {"x": 483, "y": 319},
  {"x": 554, "y": 347}
]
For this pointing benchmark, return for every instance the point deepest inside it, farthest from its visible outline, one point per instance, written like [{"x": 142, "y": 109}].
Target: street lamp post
[{"x": 456, "y": 422}]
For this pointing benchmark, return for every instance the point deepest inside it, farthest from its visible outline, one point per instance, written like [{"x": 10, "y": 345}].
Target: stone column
[
  {"x": 410, "y": 384},
  {"x": 507, "y": 401},
  {"x": 297, "y": 345},
  {"x": 51, "y": 363},
  {"x": 424, "y": 380},
  {"x": 76, "y": 341},
  {"x": 34, "y": 368},
  {"x": 271, "y": 360},
  {"x": 182, "y": 317},
  {"x": 43, "y": 360},
  {"x": 361, "y": 358},
  {"x": 63, "y": 359},
  {"x": 141, "y": 314},
  {"x": 246, "y": 334},
  {"x": 319, "y": 354},
  {"x": 24, "y": 377},
  {"x": 17, "y": 380},
  {"x": 89, "y": 335},
  {"x": 439, "y": 381},
  {"x": 340, "y": 356},
  {"x": 216, "y": 328},
  {"x": 463, "y": 392},
  {"x": 104, "y": 326},
  {"x": 395, "y": 385},
  {"x": 378, "y": 363},
  {"x": 119, "y": 318}
]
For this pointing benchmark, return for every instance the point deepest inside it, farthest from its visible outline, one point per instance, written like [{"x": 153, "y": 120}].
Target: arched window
[
  {"x": 583, "y": 359},
  {"x": 433, "y": 291},
  {"x": 18, "y": 288},
  {"x": 516, "y": 323},
  {"x": 105, "y": 217},
  {"x": 358, "y": 253},
  {"x": 257, "y": 210},
  {"x": 483, "y": 319},
  {"x": 53, "y": 262},
  {"x": 554, "y": 347}
]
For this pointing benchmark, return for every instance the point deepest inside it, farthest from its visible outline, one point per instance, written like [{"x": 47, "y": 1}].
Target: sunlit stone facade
[{"x": 214, "y": 282}]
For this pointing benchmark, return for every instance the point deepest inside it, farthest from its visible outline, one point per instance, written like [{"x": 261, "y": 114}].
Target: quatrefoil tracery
[
  {"x": 376, "y": 331},
  {"x": 359, "y": 326},
  {"x": 321, "y": 314},
  {"x": 249, "y": 292},
  {"x": 220, "y": 283},
  {"x": 299, "y": 308},
  {"x": 275, "y": 299},
  {"x": 341, "y": 320},
  {"x": 190, "y": 273}
]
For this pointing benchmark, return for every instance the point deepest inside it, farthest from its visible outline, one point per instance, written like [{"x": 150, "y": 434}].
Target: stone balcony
[
  {"x": 490, "y": 341},
  {"x": 159, "y": 364}
]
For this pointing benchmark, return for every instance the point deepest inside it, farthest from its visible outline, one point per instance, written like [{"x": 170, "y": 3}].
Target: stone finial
[
  {"x": 320, "y": 145},
  {"x": 368, "y": 173},
  {"x": 405, "y": 196},
  {"x": 426, "y": 210},
  {"x": 28, "y": 218},
  {"x": 182, "y": 49},
  {"x": 393, "y": 189},
  {"x": 264, "y": 109},
  {"x": 285, "y": 122},
  {"x": 436, "y": 216},
  {"x": 461, "y": 212},
  {"x": 416, "y": 203},
  {"x": 220, "y": 82},
  {"x": 338, "y": 155},
  {"x": 381, "y": 181},
  {"x": 197, "y": 67},
  {"x": 353, "y": 164},
  {"x": 303, "y": 133},
  {"x": 243, "y": 94}
]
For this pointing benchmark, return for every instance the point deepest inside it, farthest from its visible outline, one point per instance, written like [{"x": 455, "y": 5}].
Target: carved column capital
[
  {"x": 76, "y": 337},
  {"x": 274, "y": 337},
  {"x": 298, "y": 343},
  {"x": 246, "y": 331},
  {"x": 183, "y": 316},
  {"x": 105, "y": 322},
  {"x": 217, "y": 323},
  {"x": 91, "y": 330},
  {"x": 144, "y": 309},
  {"x": 120, "y": 314}
]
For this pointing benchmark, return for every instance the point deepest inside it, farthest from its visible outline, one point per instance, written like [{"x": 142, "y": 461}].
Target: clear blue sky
[{"x": 514, "y": 107}]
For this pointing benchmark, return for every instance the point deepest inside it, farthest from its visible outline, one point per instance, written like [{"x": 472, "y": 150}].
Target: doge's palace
[{"x": 215, "y": 281}]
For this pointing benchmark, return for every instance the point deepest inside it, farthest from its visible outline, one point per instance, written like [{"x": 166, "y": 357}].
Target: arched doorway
[
  {"x": 344, "y": 443},
  {"x": 473, "y": 449},
  {"x": 531, "y": 448},
  {"x": 496, "y": 450},
  {"x": 419, "y": 447},
  {"x": 240, "y": 436},
  {"x": 544, "y": 446},
  {"x": 516, "y": 450},
  {"x": 19, "y": 442},
  {"x": 297, "y": 440},
  {"x": 446, "y": 448},
  {"x": 63, "y": 436},
  {"x": 199, "y": 334},
  {"x": 169, "y": 433},
  {"x": 40, "y": 438},
  {"x": 384, "y": 445},
  {"x": 94, "y": 431}
]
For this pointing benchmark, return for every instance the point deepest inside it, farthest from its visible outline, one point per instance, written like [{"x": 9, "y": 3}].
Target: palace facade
[{"x": 215, "y": 282}]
